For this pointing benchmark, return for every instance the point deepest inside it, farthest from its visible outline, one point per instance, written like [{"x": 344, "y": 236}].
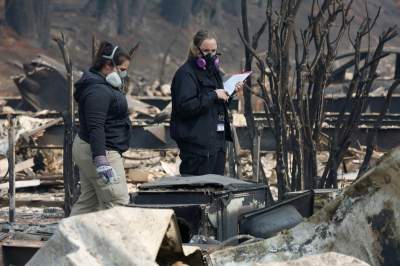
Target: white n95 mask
[{"x": 114, "y": 80}]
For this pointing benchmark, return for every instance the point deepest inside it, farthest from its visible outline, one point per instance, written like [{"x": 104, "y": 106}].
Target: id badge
[{"x": 220, "y": 127}]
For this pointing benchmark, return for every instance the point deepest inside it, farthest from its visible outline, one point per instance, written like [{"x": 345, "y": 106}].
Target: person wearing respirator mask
[
  {"x": 199, "y": 119},
  {"x": 104, "y": 131}
]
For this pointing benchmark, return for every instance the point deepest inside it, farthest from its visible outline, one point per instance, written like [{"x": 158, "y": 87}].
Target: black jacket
[
  {"x": 195, "y": 108},
  {"x": 103, "y": 114}
]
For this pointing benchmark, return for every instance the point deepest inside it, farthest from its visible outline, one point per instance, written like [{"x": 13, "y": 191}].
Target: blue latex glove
[{"x": 104, "y": 170}]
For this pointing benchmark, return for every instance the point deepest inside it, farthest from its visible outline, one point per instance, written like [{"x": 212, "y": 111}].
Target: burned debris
[
  {"x": 364, "y": 212},
  {"x": 310, "y": 175},
  {"x": 157, "y": 242},
  {"x": 207, "y": 206}
]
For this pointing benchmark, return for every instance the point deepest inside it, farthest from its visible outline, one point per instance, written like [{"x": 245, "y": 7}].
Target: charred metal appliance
[
  {"x": 207, "y": 205},
  {"x": 266, "y": 222}
]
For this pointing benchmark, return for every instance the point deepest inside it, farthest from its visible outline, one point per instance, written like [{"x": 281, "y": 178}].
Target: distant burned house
[
  {"x": 43, "y": 86},
  {"x": 388, "y": 70}
]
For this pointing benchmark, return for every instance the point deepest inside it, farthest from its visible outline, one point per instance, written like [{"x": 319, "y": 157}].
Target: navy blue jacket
[
  {"x": 103, "y": 114},
  {"x": 195, "y": 109}
]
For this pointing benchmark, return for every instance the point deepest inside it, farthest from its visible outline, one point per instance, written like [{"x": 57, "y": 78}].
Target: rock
[
  {"x": 363, "y": 222},
  {"x": 7, "y": 110},
  {"x": 128, "y": 164},
  {"x": 158, "y": 93},
  {"x": 149, "y": 93},
  {"x": 268, "y": 162},
  {"x": 118, "y": 236},
  {"x": 171, "y": 169},
  {"x": 139, "y": 176},
  {"x": 166, "y": 89},
  {"x": 239, "y": 120},
  {"x": 155, "y": 85},
  {"x": 331, "y": 259}
]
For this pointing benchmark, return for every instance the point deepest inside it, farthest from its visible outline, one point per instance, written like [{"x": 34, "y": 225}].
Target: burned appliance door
[
  {"x": 206, "y": 205},
  {"x": 266, "y": 222}
]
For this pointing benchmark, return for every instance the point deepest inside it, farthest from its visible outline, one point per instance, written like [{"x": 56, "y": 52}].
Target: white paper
[{"x": 230, "y": 84}]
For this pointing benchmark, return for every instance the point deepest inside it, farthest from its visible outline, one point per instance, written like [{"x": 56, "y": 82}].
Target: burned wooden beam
[
  {"x": 143, "y": 139},
  {"x": 18, "y": 167},
  {"x": 11, "y": 169},
  {"x": 20, "y": 184},
  {"x": 26, "y": 135},
  {"x": 19, "y": 252},
  {"x": 69, "y": 119}
]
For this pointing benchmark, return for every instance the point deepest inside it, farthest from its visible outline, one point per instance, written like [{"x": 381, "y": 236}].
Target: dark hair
[
  {"x": 198, "y": 39},
  {"x": 106, "y": 49}
]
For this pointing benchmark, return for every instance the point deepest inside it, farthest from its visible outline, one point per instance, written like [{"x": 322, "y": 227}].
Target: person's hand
[
  {"x": 221, "y": 94},
  {"x": 239, "y": 87},
  {"x": 104, "y": 170}
]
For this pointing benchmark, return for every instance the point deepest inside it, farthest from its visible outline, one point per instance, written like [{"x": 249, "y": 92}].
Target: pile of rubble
[
  {"x": 143, "y": 166},
  {"x": 367, "y": 209},
  {"x": 156, "y": 89},
  {"x": 359, "y": 227},
  {"x": 43, "y": 167},
  {"x": 361, "y": 222},
  {"x": 128, "y": 236}
]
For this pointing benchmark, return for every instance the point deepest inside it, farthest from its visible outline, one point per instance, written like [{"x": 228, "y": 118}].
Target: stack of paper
[{"x": 230, "y": 84}]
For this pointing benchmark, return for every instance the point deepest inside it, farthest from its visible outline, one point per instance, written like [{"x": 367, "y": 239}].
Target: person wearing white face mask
[{"x": 104, "y": 131}]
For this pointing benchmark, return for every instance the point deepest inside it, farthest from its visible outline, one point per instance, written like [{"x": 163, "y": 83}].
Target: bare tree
[
  {"x": 30, "y": 19},
  {"x": 123, "y": 16},
  {"x": 127, "y": 14},
  {"x": 248, "y": 110},
  {"x": 373, "y": 134},
  {"x": 180, "y": 14},
  {"x": 70, "y": 178},
  {"x": 293, "y": 93},
  {"x": 164, "y": 59},
  {"x": 232, "y": 7},
  {"x": 357, "y": 94},
  {"x": 139, "y": 8}
]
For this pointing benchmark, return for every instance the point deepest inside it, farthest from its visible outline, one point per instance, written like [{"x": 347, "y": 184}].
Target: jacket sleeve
[
  {"x": 96, "y": 105},
  {"x": 188, "y": 102}
]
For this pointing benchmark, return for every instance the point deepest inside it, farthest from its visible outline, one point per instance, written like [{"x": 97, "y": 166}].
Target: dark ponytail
[{"x": 106, "y": 49}]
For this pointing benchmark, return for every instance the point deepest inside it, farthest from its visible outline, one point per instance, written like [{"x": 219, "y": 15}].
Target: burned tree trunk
[
  {"x": 295, "y": 103},
  {"x": 180, "y": 14},
  {"x": 138, "y": 8},
  {"x": 232, "y": 7},
  {"x": 248, "y": 109},
  {"x": 164, "y": 59},
  {"x": 216, "y": 14},
  {"x": 102, "y": 6},
  {"x": 42, "y": 22},
  {"x": 357, "y": 95},
  {"x": 372, "y": 135},
  {"x": 20, "y": 15},
  {"x": 30, "y": 19},
  {"x": 11, "y": 168},
  {"x": 70, "y": 180},
  {"x": 123, "y": 16}
]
